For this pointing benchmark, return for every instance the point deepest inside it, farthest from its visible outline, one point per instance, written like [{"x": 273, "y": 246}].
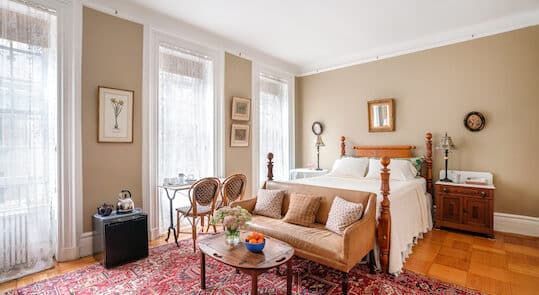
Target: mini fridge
[{"x": 120, "y": 238}]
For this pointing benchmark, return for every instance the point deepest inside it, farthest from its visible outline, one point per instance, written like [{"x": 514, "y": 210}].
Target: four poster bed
[{"x": 402, "y": 218}]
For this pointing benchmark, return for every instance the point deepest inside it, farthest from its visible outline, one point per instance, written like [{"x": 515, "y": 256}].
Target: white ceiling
[{"x": 321, "y": 34}]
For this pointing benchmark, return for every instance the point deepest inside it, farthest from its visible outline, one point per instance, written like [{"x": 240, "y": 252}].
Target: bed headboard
[
  {"x": 391, "y": 151},
  {"x": 395, "y": 151}
]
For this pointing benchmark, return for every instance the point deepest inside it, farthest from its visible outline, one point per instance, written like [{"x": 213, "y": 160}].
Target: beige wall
[
  {"x": 434, "y": 89},
  {"x": 238, "y": 82},
  {"x": 112, "y": 57}
]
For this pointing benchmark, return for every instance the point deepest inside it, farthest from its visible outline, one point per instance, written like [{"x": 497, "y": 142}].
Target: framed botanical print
[
  {"x": 241, "y": 109},
  {"x": 115, "y": 115},
  {"x": 239, "y": 135}
]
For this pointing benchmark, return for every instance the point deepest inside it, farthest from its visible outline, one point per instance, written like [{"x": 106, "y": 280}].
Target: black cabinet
[{"x": 120, "y": 238}]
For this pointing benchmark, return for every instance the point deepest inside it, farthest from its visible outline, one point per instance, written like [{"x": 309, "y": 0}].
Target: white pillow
[
  {"x": 350, "y": 167},
  {"x": 400, "y": 169}
]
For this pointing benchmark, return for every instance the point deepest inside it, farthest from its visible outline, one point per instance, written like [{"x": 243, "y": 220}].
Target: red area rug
[{"x": 173, "y": 270}]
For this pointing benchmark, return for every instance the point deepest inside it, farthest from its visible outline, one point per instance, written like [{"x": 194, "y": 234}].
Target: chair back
[
  {"x": 205, "y": 192},
  {"x": 234, "y": 188}
]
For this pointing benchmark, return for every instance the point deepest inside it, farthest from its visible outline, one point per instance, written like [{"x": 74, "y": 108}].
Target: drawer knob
[
  {"x": 445, "y": 190},
  {"x": 483, "y": 194}
]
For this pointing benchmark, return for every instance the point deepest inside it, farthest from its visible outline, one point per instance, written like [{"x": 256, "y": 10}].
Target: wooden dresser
[{"x": 465, "y": 206}]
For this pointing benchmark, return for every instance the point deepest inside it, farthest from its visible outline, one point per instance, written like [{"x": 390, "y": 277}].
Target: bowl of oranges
[{"x": 255, "y": 242}]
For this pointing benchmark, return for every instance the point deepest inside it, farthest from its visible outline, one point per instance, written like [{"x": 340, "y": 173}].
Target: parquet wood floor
[{"x": 508, "y": 264}]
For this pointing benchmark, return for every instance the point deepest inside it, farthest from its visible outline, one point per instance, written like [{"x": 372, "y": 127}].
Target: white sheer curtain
[
  {"x": 274, "y": 127},
  {"x": 186, "y": 119},
  {"x": 28, "y": 138}
]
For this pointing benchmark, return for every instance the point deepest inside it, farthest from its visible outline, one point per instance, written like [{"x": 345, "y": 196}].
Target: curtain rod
[
  {"x": 274, "y": 78},
  {"x": 184, "y": 50},
  {"x": 35, "y": 5}
]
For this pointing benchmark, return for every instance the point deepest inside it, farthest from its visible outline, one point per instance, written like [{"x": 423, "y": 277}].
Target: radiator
[{"x": 13, "y": 239}]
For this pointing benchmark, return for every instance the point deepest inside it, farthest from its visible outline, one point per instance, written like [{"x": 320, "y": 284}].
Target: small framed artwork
[
  {"x": 239, "y": 136},
  {"x": 381, "y": 115},
  {"x": 241, "y": 109},
  {"x": 115, "y": 115}
]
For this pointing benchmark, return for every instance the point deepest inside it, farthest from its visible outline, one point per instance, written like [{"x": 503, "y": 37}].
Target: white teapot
[{"x": 125, "y": 202}]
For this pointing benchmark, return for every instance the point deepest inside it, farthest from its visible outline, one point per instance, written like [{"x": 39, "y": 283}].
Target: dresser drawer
[{"x": 468, "y": 191}]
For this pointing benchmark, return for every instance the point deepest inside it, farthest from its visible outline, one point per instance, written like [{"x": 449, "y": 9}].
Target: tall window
[
  {"x": 28, "y": 138},
  {"x": 186, "y": 132},
  {"x": 274, "y": 124}
]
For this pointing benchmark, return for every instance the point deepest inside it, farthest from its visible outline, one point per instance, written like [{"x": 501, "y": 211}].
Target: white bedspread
[{"x": 410, "y": 210}]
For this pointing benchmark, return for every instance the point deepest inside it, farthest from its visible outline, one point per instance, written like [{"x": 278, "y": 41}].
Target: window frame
[
  {"x": 69, "y": 130},
  {"x": 150, "y": 119},
  {"x": 289, "y": 78}
]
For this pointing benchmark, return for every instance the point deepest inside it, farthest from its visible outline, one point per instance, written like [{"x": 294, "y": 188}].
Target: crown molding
[
  {"x": 185, "y": 31},
  {"x": 505, "y": 24}
]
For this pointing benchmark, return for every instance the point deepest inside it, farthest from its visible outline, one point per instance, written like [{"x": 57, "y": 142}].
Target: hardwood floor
[{"x": 508, "y": 264}]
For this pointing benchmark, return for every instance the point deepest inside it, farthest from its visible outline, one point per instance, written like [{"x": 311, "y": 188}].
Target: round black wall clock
[
  {"x": 317, "y": 128},
  {"x": 474, "y": 121}
]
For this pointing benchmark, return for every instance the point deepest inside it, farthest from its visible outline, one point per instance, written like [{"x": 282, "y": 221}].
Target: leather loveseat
[{"x": 341, "y": 252}]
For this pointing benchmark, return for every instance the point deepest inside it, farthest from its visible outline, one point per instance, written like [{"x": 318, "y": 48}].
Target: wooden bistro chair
[
  {"x": 203, "y": 195},
  {"x": 233, "y": 188}
]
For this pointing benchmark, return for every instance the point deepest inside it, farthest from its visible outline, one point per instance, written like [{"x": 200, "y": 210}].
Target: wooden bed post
[
  {"x": 343, "y": 146},
  {"x": 384, "y": 223},
  {"x": 428, "y": 160},
  {"x": 270, "y": 166}
]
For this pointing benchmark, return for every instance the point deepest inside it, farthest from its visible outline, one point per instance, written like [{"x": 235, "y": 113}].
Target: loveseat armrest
[
  {"x": 359, "y": 237},
  {"x": 247, "y": 204}
]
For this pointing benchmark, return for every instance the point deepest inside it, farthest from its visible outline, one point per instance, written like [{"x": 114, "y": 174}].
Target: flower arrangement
[{"x": 232, "y": 219}]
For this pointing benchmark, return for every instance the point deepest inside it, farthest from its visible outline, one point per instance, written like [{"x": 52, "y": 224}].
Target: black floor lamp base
[{"x": 446, "y": 179}]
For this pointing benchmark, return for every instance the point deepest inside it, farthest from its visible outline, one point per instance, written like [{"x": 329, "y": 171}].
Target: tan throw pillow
[
  {"x": 342, "y": 214},
  {"x": 269, "y": 203},
  {"x": 302, "y": 209}
]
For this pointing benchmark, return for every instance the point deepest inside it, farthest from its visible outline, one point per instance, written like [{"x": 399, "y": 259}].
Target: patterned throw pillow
[
  {"x": 418, "y": 163},
  {"x": 269, "y": 203},
  {"x": 342, "y": 214},
  {"x": 302, "y": 209}
]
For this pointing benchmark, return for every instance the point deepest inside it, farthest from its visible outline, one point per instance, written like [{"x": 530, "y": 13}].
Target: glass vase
[{"x": 232, "y": 236}]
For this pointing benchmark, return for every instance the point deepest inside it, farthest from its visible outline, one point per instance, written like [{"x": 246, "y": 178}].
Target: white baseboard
[
  {"x": 516, "y": 224},
  {"x": 86, "y": 244},
  {"x": 154, "y": 233},
  {"x": 67, "y": 254}
]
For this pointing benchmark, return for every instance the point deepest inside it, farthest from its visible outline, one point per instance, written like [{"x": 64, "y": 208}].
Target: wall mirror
[{"x": 381, "y": 115}]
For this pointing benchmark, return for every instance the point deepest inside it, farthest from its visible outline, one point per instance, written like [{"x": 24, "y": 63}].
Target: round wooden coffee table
[{"x": 275, "y": 254}]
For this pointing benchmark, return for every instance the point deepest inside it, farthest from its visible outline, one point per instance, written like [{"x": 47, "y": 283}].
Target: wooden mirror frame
[{"x": 390, "y": 103}]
